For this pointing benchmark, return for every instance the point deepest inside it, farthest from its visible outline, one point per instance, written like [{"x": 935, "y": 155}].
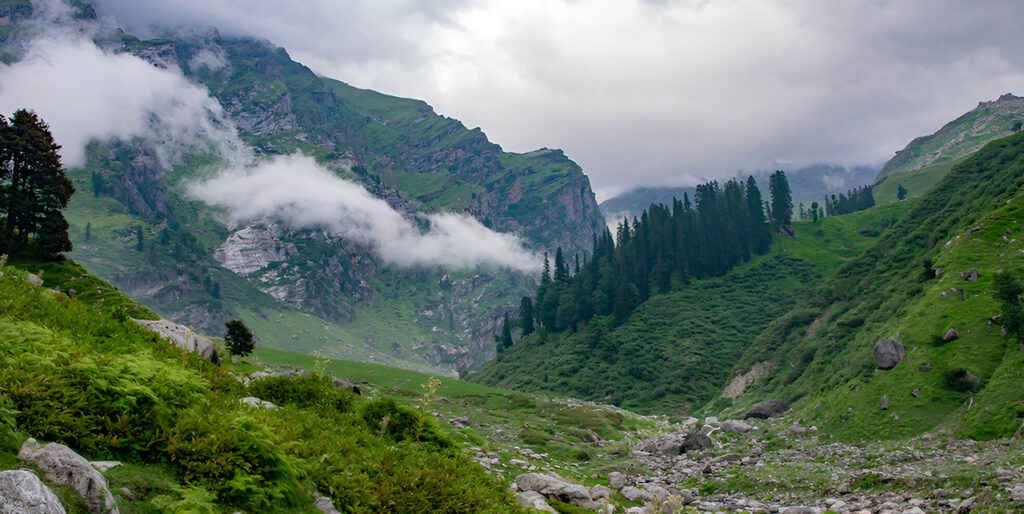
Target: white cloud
[
  {"x": 644, "y": 92},
  {"x": 297, "y": 191}
]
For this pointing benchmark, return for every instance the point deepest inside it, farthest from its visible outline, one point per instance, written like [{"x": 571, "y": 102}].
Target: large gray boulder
[
  {"x": 21, "y": 492},
  {"x": 60, "y": 465},
  {"x": 950, "y": 335},
  {"x": 696, "y": 441},
  {"x": 887, "y": 353},
  {"x": 324, "y": 504},
  {"x": 534, "y": 500},
  {"x": 182, "y": 337},
  {"x": 735, "y": 426},
  {"x": 554, "y": 487},
  {"x": 616, "y": 480},
  {"x": 767, "y": 409}
]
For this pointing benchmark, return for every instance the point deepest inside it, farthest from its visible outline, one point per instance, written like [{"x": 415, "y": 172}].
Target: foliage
[
  {"x": 901, "y": 192},
  {"x": 238, "y": 340},
  {"x": 1007, "y": 289},
  {"x": 782, "y": 202},
  {"x": 853, "y": 200}
]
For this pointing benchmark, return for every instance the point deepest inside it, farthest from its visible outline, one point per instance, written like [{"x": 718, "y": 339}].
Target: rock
[
  {"x": 966, "y": 505},
  {"x": 325, "y": 505},
  {"x": 887, "y": 353},
  {"x": 913, "y": 510},
  {"x": 616, "y": 480},
  {"x": 844, "y": 488},
  {"x": 995, "y": 319},
  {"x": 631, "y": 493},
  {"x": 696, "y": 441},
  {"x": 950, "y": 335},
  {"x": 885, "y": 403},
  {"x": 767, "y": 409},
  {"x": 34, "y": 279},
  {"x": 925, "y": 369},
  {"x": 554, "y": 487},
  {"x": 104, "y": 465},
  {"x": 794, "y": 429},
  {"x": 252, "y": 401},
  {"x": 22, "y": 492},
  {"x": 798, "y": 510},
  {"x": 60, "y": 465},
  {"x": 915, "y": 393},
  {"x": 707, "y": 469},
  {"x": 972, "y": 275},
  {"x": 534, "y": 500},
  {"x": 519, "y": 462},
  {"x": 727, "y": 458},
  {"x": 600, "y": 492},
  {"x": 182, "y": 337},
  {"x": 1017, "y": 493},
  {"x": 671, "y": 447},
  {"x": 655, "y": 494},
  {"x": 460, "y": 422},
  {"x": 636, "y": 510},
  {"x": 735, "y": 426}
]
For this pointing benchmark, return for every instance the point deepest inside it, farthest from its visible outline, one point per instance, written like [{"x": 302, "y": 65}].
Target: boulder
[
  {"x": 636, "y": 510},
  {"x": 972, "y": 275},
  {"x": 632, "y": 493},
  {"x": 767, "y": 409},
  {"x": 887, "y": 353},
  {"x": 735, "y": 426},
  {"x": 60, "y": 465},
  {"x": 696, "y": 441},
  {"x": 950, "y": 335},
  {"x": 341, "y": 383},
  {"x": 534, "y": 500},
  {"x": 182, "y": 337},
  {"x": 1017, "y": 493},
  {"x": 925, "y": 368},
  {"x": 655, "y": 494},
  {"x": 325, "y": 505},
  {"x": 22, "y": 492},
  {"x": 554, "y": 487},
  {"x": 616, "y": 480},
  {"x": 34, "y": 279},
  {"x": 599, "y": 492},
  {"x": 915, "y": 393}
]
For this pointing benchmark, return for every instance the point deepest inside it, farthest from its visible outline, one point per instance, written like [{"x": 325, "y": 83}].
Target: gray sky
[{"x": 659, "y": 91}]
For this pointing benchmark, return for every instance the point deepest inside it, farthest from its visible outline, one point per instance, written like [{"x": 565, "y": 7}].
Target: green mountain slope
[
  {"x": 958, "y": 138},
  {"x": 819, "y": 356}
]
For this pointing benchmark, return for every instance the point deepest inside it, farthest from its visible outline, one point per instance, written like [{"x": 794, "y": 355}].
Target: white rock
[
  {"x": 22, "y": 492},
  {"x": 182, "y": 337},
  {"x": 34, "y": 279},
  {"x": 632, "y": 493},
  {"x": 616, "y": 480},
  {"x": 535, "y": 500},
  {"x": 60, "y": 465},
  {"x": 104, "y": 465},
  {"x": 252, "y": 401},
  {"x": 325, "y": 505}
]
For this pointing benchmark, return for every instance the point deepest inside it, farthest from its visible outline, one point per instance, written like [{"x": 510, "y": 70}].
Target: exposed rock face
[
  {"x": 887, "y": 353},
  {"x": 253, "y": 248},
  {"x": 21, "y": 492},
  {"x": 767, "y": 409},
  {"x": 60, "y": 465},
  {"x": 182, "y": 337},
  {"x": 740, "y": 383}
]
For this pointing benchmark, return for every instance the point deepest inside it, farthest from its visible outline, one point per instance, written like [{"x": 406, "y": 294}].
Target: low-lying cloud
[{"x": 303, "y": 195}]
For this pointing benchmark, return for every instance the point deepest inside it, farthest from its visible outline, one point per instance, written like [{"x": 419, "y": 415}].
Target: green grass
[{"x": 916, "y": 182}]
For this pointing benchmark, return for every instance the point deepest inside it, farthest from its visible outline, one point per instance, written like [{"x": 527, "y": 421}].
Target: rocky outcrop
[
  {"x": 887, "y": 353},
  {"x": 182, "y": 337},
  {"x": 21, "y": 492},
  {"x": 767, "y": 409},
  {"x": 60, "y": 465},
  {"x": 253, "y": 248}
]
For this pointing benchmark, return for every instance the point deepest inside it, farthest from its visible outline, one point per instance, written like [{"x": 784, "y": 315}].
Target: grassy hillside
[
  {"x": 78, "y": 372},
  {"x": 917, "y": 181},
  {"x": 676, "y": 351},
  {"x": 820, "y": 353}
]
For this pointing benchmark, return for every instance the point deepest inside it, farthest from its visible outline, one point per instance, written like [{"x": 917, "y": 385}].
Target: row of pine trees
[{"x": 657, "y": 253}]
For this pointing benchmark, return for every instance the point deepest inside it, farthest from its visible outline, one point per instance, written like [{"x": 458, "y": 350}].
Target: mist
[{"x": 301, "y": 194}]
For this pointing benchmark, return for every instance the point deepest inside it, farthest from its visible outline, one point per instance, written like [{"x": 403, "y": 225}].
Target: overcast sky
[{"x": 656, "y": 92}]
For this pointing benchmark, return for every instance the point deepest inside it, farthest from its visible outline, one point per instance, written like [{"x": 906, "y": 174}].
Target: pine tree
[
  {"x": 238, "y": 340},
  {"x": 139, "y": 245},
  {"x": 561, "y": 270},
  {"x": 901, "y": 192},
  {"x": 88, "y": 232},
  {"x": 782, "y": 202},
  {"x": 814, "y": 212},
  {"x": 526, "y": 315},
  {"x": 506, "y": 335}
]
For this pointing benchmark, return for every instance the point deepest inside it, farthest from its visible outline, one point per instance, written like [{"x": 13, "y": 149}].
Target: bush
[
  {"x": 302, "y": 391},
  {"x": 239, "y": 339},
  {"x": 400, "y": 423}
]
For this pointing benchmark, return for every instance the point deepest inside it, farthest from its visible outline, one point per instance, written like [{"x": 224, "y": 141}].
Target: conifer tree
[
  {"x": 901, "y": 192},
  {"x": 526, "y": 315},
  {"x": 561, "y": 270},
  {"x": 782, "y": 202},
  {"x": 506, "y": 335},
  {"x": 238, "y": 340}
]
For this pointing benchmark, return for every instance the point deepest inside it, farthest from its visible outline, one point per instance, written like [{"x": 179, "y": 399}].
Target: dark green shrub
[
  {"x": 301, "y": 391},
  {"x": 959, "y": 379},
  {"x": 400, "y": 423}
]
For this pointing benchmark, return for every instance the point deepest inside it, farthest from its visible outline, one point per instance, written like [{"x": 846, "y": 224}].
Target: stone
[
  {"x": 925, "y": 368},
  {"x": 696, "y": 441},
  {"x": 972, "y": 275},
  {"x": 798, "y": 510},
  {"x": 767, "y": 409},
  {"x": 966, "y": 505},
  {"x": 534, "y": 500},
  {"x": 915, "y": 393},
  {"x": 844, "y": 488},
  {"x": 600, "y": 492},
  {"x": 1017, "y": 493},
  {"x": 885, "y": 403},
  {"x": 182, "y": 337},
  {"x": 735, "y": 426},
  {"x": 554, "y": 487},
  {"x": 727, "y": 458},
  {"x": 252, "y": 401},
  {"x": 325, "y": 505},
  {"x": 519, "y": 462},
  {"x": 341, "y": 383},
  {"x": 34, "y": 279},
  {"x": 22, "y": 492},
  {"x": 950, "y": 335},
  {"x": 913, "y": 510},
  {"x": 104, "y": 465},
  {"x": 631, "y": 493},
  {"x": 887, "y": 353},
  {"x": 616, "y": 480},
  {"x": 794, "y": 429},
  {"x": 60, "y": 465},
  {"x": 636, "y": 510}
]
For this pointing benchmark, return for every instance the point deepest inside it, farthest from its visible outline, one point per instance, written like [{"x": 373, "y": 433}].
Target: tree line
[
  {"x": 658, "y": 252},
  {"x": 854, "y": 200},
  {"x": 34, "y": 188}
]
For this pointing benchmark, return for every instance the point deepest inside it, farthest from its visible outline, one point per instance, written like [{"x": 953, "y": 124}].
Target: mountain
[
  {"x": 135, "y": 221},
  {"x": 925, "y": 160},
  {"x": 808, "y": 184}
]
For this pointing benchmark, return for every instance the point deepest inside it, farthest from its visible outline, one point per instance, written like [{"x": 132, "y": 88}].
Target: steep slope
[
  {"x": 820, "y": 355},
  {"x": 134, "y": 222},
  {"x": 957, "y": 139}
]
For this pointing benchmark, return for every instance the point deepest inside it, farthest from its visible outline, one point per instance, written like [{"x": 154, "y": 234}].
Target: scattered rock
[
  {"x": 104, "y": 465},
  {"x": 727, "y": 458},
  {"x": 631, "y": 493},
  {"x": 887, "y": 353},
  {"x": 915, "y": 393},
  {"x": 253, "y": 401},
  {"x": 798, "y": 510},
  {"x": 950, "y": 335},
  {"x": 34, "y": 279},
  {"x": 972, "y": 275},
  {"x": 1002, "y": 331},
  {"x": 844, "y": 488},
  {"x": 794, "y": 429},
  {"x": 735, "y": 426},
  {"x": 925, "y": 369},
  {"x": 182, "y": 337},
  {"x": 460, "y": 422},
  {"x": 616, "y": 480},
  {"x": 696, "y": 441},
  {"x": 600, "y": 492},
  {"x": 22, "y": 491},
  {"x": 342, "y": 383},
  {"x": 325, "y": 505},
  {"x": 885, "y": 403},
  {"x": 519, "y": 462},
  {"x": 655, "y": 494},
  {"x": 554, "y": 487},
  {"x": 767, "y": 409},
  {"x": 60, "y": 465},
  {"x": 1017, "y": 493},
  {"x": 913, "y": 510},
  {"x": 966, "y": 505},
  {"x": 534, "y": 500}
]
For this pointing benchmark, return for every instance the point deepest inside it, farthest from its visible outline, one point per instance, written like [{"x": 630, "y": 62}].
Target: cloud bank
[
  {"x": 299, "y": 192},
  {"x": 655, "y": 92}
]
